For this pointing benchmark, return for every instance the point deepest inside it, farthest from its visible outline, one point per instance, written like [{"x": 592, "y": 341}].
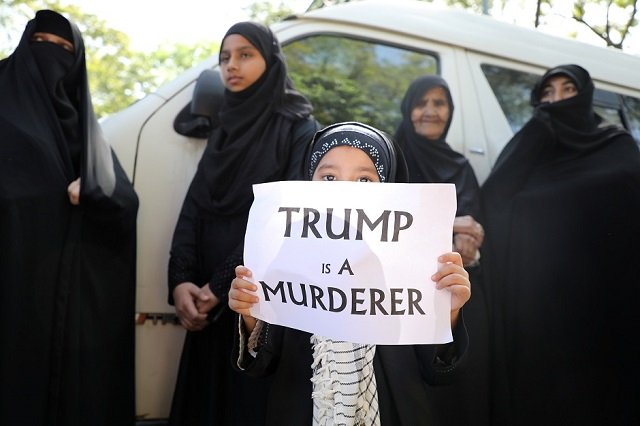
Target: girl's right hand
[{"x": 240, "y": 300}]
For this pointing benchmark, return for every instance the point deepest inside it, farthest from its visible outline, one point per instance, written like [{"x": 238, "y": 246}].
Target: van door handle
[{"x": 478, "y": 151}]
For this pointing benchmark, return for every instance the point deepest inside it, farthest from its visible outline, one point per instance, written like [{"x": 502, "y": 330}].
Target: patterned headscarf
[{"x": 375, "y": 143}]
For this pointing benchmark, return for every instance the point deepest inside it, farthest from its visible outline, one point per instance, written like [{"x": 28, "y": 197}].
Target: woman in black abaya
[
  {"x": 427, "y": 112},
  {"x": 265, "y": 125},
  {"x": 67, "y": 242},
  {"x": 561, "y": 209}
]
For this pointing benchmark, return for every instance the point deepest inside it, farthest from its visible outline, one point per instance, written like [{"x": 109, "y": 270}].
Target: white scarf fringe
[{"x": 344, "y": 384}]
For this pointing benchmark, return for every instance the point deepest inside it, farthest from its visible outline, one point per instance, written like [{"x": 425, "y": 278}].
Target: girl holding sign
[{"x": 321, "y": 381}]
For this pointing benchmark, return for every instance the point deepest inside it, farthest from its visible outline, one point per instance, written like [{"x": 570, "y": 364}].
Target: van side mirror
[{"x": 200, "y": 116}]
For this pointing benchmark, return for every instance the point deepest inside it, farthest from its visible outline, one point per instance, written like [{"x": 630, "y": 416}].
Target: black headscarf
[
  {"x": 433, "y": 161},
  {"x": 380, "y": 147},
  {"x": 45, "y": 93},
  {"x": 252, "y": 144},
  {"x": 557, "y": 132}
]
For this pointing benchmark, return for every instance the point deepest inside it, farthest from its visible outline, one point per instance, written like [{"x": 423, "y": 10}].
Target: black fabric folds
[
  {"x": 67, "y": 273},
  {"x": 561, "y": 208}
]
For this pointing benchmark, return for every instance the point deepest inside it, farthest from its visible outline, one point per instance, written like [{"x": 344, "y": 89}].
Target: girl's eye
[
  {"x": 363, "y": 179},
  {"x": 328, "y": 178}
]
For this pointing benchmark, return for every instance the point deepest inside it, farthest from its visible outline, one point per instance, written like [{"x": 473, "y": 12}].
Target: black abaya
[
  {"x": 434, "y": 161},
  {"x": 262, "y": 135},
  {"x": 67, "y": 273},
  {"x": 561, "y": 217}
]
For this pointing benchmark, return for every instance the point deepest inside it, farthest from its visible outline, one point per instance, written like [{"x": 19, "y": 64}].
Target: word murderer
[
  {"x": 359, "y": 301},
  {"x": 311, "y": 217}
]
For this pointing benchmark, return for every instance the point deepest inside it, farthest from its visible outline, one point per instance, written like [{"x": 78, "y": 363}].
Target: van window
[
  {"x": 513, "y": 90},
  {"x": 351, "y": 79},
  {"x": 632, "y": 112}
]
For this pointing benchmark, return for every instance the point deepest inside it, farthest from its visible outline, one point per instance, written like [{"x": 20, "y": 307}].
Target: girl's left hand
[{"x": 452, "y": 276}]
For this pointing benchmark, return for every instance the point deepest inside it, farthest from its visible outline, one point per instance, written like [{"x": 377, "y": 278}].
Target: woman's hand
[
  {"x": 240, "y": 300},
  {"x": 452, "y": 276},
  {"x": 73, "y": 190},
  {"x": 468, "y": 236},
  {"x": 185, "y": 297},
  {"x": 206, "y": 300}
]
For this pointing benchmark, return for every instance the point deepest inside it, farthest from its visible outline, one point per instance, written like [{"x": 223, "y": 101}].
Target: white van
[{"x": 354, "y": 61}]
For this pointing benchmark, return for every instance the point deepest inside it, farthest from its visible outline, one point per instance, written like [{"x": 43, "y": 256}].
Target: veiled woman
[
  {"x": 67, "y": 242},
  {"x": 264, "y": 127},
  {"x": 561, "y": 210}
]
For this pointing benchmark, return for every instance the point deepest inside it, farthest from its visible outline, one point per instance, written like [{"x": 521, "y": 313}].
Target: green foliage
[
  {"x": 613, "y": 32},
  {"x": 118, "y": 75},
  {"x": 267, "y": 13},
  {"x": 355, "y": 80}
]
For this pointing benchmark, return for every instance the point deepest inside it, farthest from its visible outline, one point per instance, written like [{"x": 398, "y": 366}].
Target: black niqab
[
  {"x": 560, "y": 208},
  {"x": 433, "y": 161},
  {"x": 67, "y": 273}
]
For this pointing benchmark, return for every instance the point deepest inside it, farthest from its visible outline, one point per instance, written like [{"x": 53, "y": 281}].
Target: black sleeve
[
  {"x": 303, "y": 132},
  {"x": 441, "y": 363},
  {"x": 268, "y": 351},
  {"x": 183, "y": 261}
]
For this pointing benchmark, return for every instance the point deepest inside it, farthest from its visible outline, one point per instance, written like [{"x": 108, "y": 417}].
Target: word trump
[
  {"x": 310, "y": 218},
  {"x": 358, "y": 301}
]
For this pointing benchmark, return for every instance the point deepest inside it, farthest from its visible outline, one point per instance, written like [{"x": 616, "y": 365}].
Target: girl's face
[
  {"x": 558, "y": 88},
  {"x": 346, "y": 163},
  {"x": 241, "y": 64},
  {"x": 431, "y": 114}
]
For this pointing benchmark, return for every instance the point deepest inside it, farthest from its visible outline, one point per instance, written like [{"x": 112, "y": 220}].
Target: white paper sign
[{"x": 352, "y": 261}]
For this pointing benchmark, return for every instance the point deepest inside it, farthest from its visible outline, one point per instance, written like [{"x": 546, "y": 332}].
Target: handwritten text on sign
[{"x": 352, "y": 260}]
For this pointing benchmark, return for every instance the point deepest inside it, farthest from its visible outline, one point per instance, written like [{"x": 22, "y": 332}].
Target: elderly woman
[
  {"x": 561, "y": 209},
  {"x": 427, "y": 112}
]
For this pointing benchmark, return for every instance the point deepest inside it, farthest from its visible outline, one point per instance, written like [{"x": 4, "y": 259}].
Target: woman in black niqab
[
  {"x": 561, "y": 206},
  {"x": 261, "y": 138},
  {"x": 432, "y": 160},
  {"x": 67, "y": 270}
]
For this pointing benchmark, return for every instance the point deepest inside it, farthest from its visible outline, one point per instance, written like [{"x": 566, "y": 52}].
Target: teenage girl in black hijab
[
  {"x": 427, "y": 112},
  {"x": 67, "y": 242},
  {"x": 265, "y": 125},
  {"x": 561, "y": 209}
]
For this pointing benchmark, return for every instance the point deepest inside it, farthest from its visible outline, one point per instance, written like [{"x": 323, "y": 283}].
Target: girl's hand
[
  {"x": 240, "y": 300},
  {"x": 452, "y": 276}
]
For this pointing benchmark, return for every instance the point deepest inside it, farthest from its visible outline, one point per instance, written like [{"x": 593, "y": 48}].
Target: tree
[
  {"x": 613, "y": 33},
  {"x": 611, "y": 20},
  {"x": 267, "y": 13},
  {"x": 118, "y": 75}
]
